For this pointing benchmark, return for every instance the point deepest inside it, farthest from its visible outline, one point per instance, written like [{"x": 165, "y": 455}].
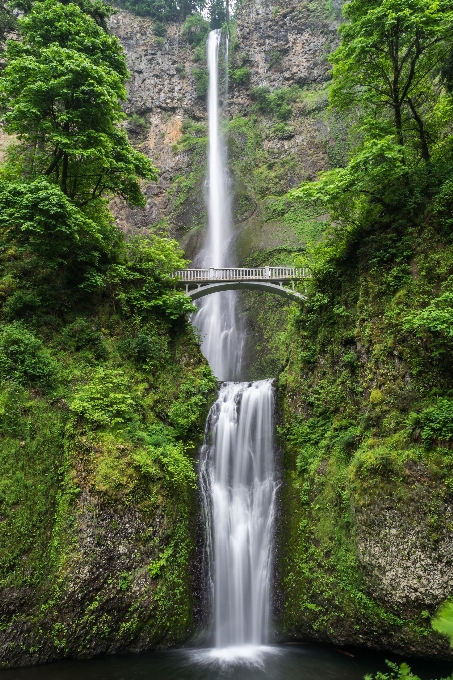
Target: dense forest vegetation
[
  {"x": 103, "y": 388},
  {"x": 367, "y": 383}
]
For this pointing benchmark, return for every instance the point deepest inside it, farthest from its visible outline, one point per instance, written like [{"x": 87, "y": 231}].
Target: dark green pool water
[{"x": 280, "y": 662}]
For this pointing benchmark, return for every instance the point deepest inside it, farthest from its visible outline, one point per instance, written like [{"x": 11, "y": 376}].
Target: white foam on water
[{"x": 249, "y": 655}]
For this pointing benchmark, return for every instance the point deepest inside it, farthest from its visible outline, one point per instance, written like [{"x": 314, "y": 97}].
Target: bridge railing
[{"x": 241, "y": 274}]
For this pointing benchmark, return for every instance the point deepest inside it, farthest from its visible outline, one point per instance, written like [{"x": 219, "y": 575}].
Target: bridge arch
[{"x": 266, "y": 287}]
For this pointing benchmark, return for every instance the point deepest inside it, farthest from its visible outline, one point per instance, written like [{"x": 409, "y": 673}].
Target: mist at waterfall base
[{"x": 292, "y": 662}]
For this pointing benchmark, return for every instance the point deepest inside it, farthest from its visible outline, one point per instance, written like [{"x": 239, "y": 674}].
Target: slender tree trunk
[
  {"x": 421, "y": 131},
  {"x": 55, "y": 162},
  {"x": 399, "y": 124},
  {"x": 64, "y": 174},
  {"x": 227, "y": 12}
]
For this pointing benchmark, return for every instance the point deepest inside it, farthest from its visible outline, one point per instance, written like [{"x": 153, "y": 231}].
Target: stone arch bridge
[{"x": 276, "y": 280}]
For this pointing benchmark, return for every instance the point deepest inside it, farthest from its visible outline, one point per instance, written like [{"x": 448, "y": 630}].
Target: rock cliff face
[
  {"x": 280, "y": 48},
  {"x": 365, "y": 567},
  {"x": 162, "y": 92}
]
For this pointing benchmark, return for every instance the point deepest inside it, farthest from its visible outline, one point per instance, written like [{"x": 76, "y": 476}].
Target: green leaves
[
  {"x": 389, "y": 56},
  {"x": 23, "y": 358},
  {"x": 443, "y": 621},
  {"x": 434, "y": 424},
  {"x": 40, "y": 220},
  {"x": 143, "y": 284},
  {"x": 106, "y": 400}
]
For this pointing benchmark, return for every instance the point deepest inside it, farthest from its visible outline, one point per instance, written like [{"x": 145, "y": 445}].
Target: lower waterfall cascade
[{"x": 238, "y": 483}]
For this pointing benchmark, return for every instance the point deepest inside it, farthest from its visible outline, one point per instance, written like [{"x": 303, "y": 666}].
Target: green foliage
[
  {"x": 217, "y": 13},
  {"x": 401, "y": 672},
  {"x": 176, "y": 467},
  {"x": 163, "y": 10},
  {"x": 185, "y": 409},
  {"x": 387, "y": 48},
  {"x": 82, "y": 335},
  {"x": 195, "y": 29},
  {"x": 60, "y": 94},
  {"x": 103, "y": 389},
  {"x": 201, "y": 78},
  {"x": 98, "y": 10},
  {"x": 8, "y": 22},
  {"x": 397, "y": 672},
  {"x": 143, "y": 284},
  {"x": 145, "y": 350},
  {"x": 105, "y": 400},
  {"x": 434, "y": 424},
  {"x": 159, "y": 29},
  {"x": 276, "y": 104},
  {"x": 23, "y": 358},
  {"x": 275, "y": 58},
  {"x": 240, "y": 76},
  {"x": 283, "y": 131},
  {"x": 443, "y": 621},
  {"x": 40, "y": 221}
]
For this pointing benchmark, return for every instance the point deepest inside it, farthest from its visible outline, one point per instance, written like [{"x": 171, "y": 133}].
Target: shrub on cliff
[{"x": 23, "y": 358}]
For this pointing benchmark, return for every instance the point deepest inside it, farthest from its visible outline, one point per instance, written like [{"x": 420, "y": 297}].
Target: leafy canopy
[
  {"x": 388, "y": 49},
  {"x": 387, "y": 84},
  {"x": 40, "y": 221},
  {"x": 143, "y": 283},
  {"x": 60, "y": 94}
]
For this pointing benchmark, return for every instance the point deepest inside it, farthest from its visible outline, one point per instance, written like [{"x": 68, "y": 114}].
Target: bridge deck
[{"x": 265, "y": 274}]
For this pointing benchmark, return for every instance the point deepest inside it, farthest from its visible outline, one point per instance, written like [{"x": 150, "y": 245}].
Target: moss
[
  {"x": 365, "y": 426},
  {"x": 112, "y": 446}
]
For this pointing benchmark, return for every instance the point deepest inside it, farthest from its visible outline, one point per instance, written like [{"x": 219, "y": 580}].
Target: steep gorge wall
[
  {"x": 367, "y": 536},
  {"x": 280, "y": 47}
]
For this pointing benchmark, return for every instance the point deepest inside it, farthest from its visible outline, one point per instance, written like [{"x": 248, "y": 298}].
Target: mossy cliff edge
[
  {"x": 98, "y": 490},
  {"x": 365, "y": 403}
]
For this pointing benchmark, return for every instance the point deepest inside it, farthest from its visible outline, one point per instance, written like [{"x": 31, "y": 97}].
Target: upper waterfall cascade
[{"x": 216, "y": 319}]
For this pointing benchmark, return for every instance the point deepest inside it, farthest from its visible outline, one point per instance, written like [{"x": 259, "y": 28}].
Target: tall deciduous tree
[
  {"x": 390, "y": 52},
  {"x": 60, "y": 93}
]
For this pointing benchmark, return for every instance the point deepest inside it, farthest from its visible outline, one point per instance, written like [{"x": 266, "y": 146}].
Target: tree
[
  {"x": 390, "y": 53},
  {"x": 60, "y": 94},
  {"x": 217, "y": 13}
]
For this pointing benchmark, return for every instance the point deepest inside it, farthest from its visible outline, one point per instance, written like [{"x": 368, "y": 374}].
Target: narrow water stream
[{"x": 217, "y": 319}]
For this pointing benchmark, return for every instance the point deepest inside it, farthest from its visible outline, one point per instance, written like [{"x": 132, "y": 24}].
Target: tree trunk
[
  {"x": 421, "y": 131},
  {"x": 64, "y": 174}
]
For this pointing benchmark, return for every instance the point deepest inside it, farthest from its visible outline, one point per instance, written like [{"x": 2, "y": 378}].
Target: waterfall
[
  {"x": 237, "y": 474},
  {"x": 216, "y": 318},
  {"x": 238, "y": 489}
]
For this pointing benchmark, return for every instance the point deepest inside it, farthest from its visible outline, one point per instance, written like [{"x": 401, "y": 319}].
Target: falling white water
[
  {"x": 236, "y": 465},
  {"x": 216, "y": 318},
  {"x": 239, "y": 488}
]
